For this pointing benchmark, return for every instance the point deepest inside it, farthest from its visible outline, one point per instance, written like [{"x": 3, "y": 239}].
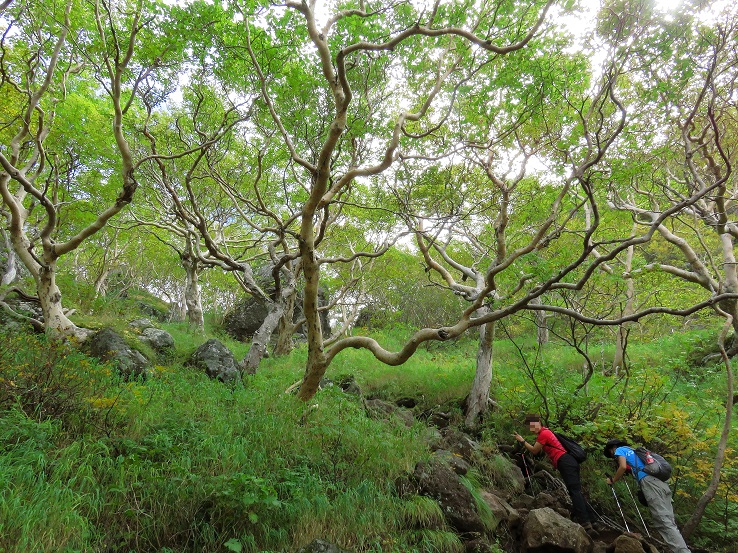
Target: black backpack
[
  {"x": 653, "y": 464},
  {"x": 572, "y": 447}
]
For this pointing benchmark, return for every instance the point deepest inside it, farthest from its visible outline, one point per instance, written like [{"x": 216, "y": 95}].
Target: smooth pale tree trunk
[
  {"x": 314, "y": 370},
  {"x": 618, "y": 361},
  {"x": 730, "y": 285},
  {"x": 478, "y": 401},
  {"x": 192, "y": 297},
  {"x": 57, "y": 324},
  {"x": 178, "y": 309},
  {"x": 258, "y": 348},
  {"x": 101, "y": 283},
  {"x": 278, "y": 311},
  {"x": 542, "y": 328},
  {"x": 10, "y": 271},
  {"x": 730, "y": 306},
  {"x": 316, "y": 363},
  {"x": 541, "y": 325},
  {"x": 285, "y": 328}
]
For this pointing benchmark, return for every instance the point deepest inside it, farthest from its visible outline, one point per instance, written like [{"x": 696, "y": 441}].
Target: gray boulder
[
  {"x": 501, "y": 509},
  {"x": 159, "y": 314},
  {"x": 216, "y": 360},
  {"x": 523, "y": 501},
  {"x": 385, "y": 410},
  {"x": 437, "y": 418},
  {"x": 408, "y": 402},
  {"x": 242, "y": 322},
  {"x": 630, "y": 543},
  {"x": 108, "y": 345},
  {"x": 454, "y": 461},
  {"x": 141, "y": 324},
  {"x": 435, "y": 479},
  {"x": 459, "y": 443},
  {"x": 159, "y": 340},
  {"x": 546, "y": 531},
  {"x": 505, "y": 473}
]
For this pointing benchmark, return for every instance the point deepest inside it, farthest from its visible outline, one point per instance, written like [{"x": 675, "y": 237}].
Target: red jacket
[{"x": 551, "y": 445}]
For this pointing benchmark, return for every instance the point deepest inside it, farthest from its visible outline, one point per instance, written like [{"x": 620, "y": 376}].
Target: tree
[
  {"x": 49, "y": 65},
  {"x": 184, "y": 207},
  {"x": 329, "y": 126},
  {"x": 210, "y": 199},
  {"x": 355, "y": 48},
  {"x": 480, "y": 257},
  {"x": 688, "y": 198},
  {"x": 337, "y": 148},
  {"x": 10, "y": 261},
  {"x": 494, "y": 220}
]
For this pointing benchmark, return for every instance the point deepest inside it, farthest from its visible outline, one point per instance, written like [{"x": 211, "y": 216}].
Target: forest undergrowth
[{"x": 180, "y": 463}]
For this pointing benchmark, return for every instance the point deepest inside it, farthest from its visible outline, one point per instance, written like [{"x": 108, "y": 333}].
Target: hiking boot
[
  {"x": 599, "y": 527},
  {"x": 591, "y": 532}
]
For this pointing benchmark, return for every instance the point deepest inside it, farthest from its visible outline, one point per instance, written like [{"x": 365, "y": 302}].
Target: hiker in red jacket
[{"x": 564, "y": 462}]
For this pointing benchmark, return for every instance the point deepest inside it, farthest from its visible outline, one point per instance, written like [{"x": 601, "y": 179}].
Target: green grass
[
  {"x": 192, "y": 464},
  {"x": 180, "y": 463},
  {"x": 434, "y": 375}
]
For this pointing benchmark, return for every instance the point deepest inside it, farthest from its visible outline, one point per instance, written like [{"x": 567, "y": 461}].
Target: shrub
[{"x": 51, "y": 380}]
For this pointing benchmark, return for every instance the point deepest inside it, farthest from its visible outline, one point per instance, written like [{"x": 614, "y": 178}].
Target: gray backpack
[{"x": 653, "y": 464}]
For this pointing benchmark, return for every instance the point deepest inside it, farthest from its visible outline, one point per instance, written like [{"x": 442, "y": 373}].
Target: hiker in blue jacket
[{"x": 656, "y": 492}]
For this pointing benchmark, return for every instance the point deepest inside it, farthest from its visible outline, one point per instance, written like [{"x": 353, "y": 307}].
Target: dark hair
[
  {"x": 532, "y": 418},
  {"x": 611, "y": 446}
]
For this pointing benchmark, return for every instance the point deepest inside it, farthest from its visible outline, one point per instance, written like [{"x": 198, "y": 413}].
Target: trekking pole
[
  {"x": 527, "y": 472},
  {"x": 604, "y": 519},
  {"x": 643, "y": 522},
  {"x": 618, "y": 502}
]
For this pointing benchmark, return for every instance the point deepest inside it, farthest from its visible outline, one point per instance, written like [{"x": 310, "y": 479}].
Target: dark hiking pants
[{"x": 569, "y": 469}]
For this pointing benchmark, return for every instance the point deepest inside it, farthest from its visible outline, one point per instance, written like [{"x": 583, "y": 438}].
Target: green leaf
[{"x": 234, "y": 545}]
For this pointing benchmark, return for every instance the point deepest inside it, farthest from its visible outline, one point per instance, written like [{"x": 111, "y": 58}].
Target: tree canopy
[{"x": 522, "y": 165}]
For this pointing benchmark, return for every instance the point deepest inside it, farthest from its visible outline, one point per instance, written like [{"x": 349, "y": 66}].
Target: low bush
[{"x": 50, "y": 380}]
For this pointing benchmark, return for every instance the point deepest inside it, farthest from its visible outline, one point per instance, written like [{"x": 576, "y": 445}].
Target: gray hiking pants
[{"x": 658, "y": 495}]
